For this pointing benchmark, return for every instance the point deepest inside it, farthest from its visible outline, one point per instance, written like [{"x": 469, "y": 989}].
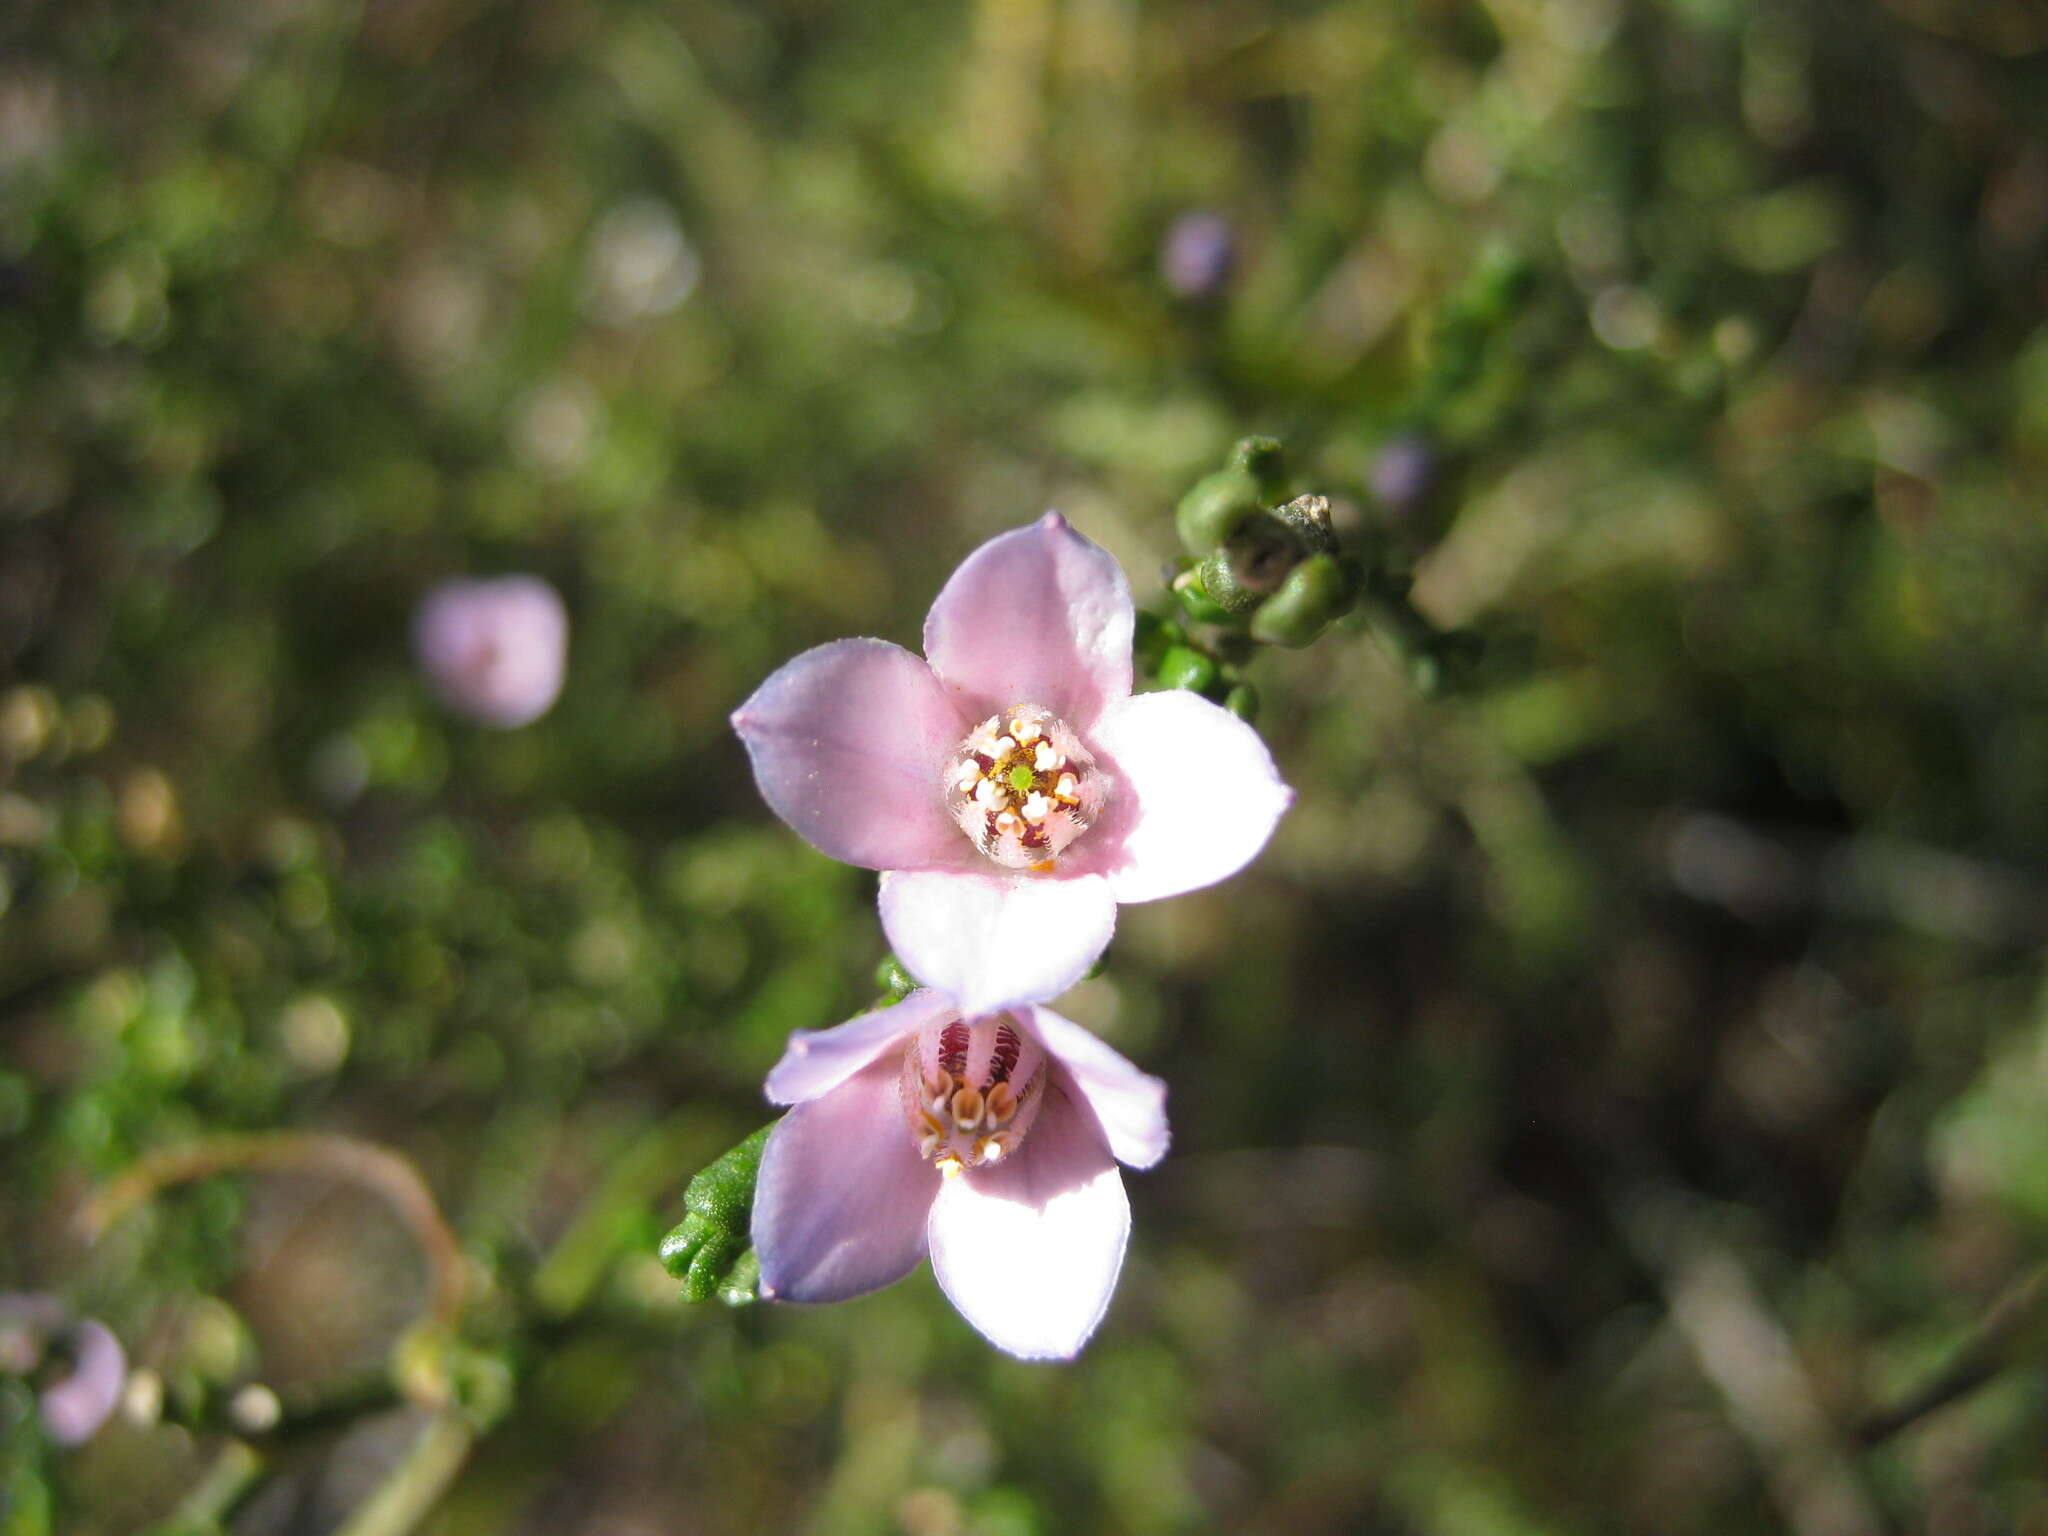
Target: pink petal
[
  {"x": 495, "y": 649},
  {"x": 1038, "y": 615},
  {"x": 1131, "y": 1105},
  {"x": 1029, "y": 1250},
  {"x": 848, "y": 743},
  {"x": 817, "y": 1061},
  {"x": 842, "y": 1199},
  {"x": 993, "y": 939},
  {"x": 75, "y": 1408},
  {"x": 1196, "y": 796}
]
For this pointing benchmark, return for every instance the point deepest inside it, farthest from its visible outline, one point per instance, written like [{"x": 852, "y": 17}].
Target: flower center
[
  {"x": 971, "y": 1091},
  {"x": 1023, "y": 787}
]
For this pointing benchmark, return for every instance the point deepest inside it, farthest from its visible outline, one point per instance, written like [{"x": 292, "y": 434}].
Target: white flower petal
[
  {"x": 1029, "y": 1250},
  {"x": 995, "y": 939},
  {"x": 1196, "y": 796}
]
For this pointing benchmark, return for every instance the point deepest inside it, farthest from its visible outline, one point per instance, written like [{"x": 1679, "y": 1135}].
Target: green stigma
[{"x": 1020, "y": 778}]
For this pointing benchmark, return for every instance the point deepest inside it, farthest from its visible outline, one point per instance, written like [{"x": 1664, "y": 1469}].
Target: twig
[
  {"x": 417, "y": 1483},
  {"x": 1742, "y": 1350},
  {"x": 1987, "y": 1352},
  {"x": 342, "y": 1157}
]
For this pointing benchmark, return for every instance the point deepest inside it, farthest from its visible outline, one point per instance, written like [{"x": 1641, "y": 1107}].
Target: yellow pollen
[
  {"x": 1039, "y": 869},
  {"x": 949, "y": 1166}
]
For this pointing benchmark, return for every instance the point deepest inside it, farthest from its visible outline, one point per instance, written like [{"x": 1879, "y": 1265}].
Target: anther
[
  {"x": 967, "y": 1109},
  {"x": 992, "y": 1149},
  {"x": 1000, "y": 1103},
  {"x": 1045, "y": 759},
  {"x": 1068, "y": 789},
  {"x": 1037, "y": 808}
]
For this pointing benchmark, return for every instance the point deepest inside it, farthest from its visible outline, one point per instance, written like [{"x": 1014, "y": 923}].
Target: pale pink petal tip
[
  {"x": 1038, "y": 615},
  {"x": 494, "y": 649},
  {"x": 848, "y": 742},
  {"x": 842, "y": 1197},
  {"x": 1130, "y": 1105}
]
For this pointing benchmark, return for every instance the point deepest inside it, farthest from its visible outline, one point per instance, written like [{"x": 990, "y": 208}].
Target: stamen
[
  {"x": 1000, "y": 1105},
  {"x": 966, "y": 1109},
  {"x": 976, "y": 1112},
  {"x": 1022, "y": 787}
]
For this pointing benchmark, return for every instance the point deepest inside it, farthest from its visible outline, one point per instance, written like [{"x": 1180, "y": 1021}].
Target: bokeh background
[{"x": 1623, "y": 1075}]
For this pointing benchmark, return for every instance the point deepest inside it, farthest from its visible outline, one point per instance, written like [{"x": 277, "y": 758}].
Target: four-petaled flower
[
  {"x": 991, "y": 1141},
  {"x": 1010, "y": 786}
]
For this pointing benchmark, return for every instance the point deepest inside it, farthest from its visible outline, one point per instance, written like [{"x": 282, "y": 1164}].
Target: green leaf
[{"x": 708, "y": 1250}]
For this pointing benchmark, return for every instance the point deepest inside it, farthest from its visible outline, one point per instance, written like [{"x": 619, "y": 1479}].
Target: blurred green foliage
[{"x": 1665, "y": 1000}]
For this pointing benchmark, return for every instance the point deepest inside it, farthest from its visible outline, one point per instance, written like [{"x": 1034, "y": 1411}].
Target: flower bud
[
  {"x": 1186, "y": 667},
  {"x": 1242, "y": 701},
  {"x": 1215, "y": 507},
  {"x": 1197, "y": 604},
  {"x": 1315, "y": 592},
  {"x": 1198, "y": 255}
]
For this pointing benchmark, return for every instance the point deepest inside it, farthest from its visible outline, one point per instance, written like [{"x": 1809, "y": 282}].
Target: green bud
[
  {"x": 1251, "y": 567},
  {"x": 1315, "y": 592},
  {"x": 1215, "y": 507},
  {"x": 1197, "y": 604},
  {"x": 1242, "y": 701},
  {"x": 894, "y": 980},
  {"x": 1186, "y": 667},
  {"x": 1261, "y": 458},
  {"x": 1152, "y": 636},
  {"x": 706, "y": 1248}
]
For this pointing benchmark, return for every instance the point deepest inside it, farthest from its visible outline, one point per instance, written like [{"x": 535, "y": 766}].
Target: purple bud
[
  {"x": 75, "y": 1407},
  {"x": 1198, "y": 255},
  {"x": 494, "y": 649},
  {"x": 1404, "y": 472}
]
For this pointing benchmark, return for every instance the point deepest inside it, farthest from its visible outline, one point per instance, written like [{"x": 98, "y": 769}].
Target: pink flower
[
  {"x": 990, "y": 1142},
  {"x": 493, "y": 649},
  {"x": 1010, "y": 786}
]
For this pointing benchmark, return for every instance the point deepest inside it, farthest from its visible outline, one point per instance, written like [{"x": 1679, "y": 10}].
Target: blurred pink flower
[
  {"x": 494, "y": 649},
  {"x": 80, "y": 1380},
  {"x": 990, "y": 1142},
  {"x": 1010, "y": 786}
]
